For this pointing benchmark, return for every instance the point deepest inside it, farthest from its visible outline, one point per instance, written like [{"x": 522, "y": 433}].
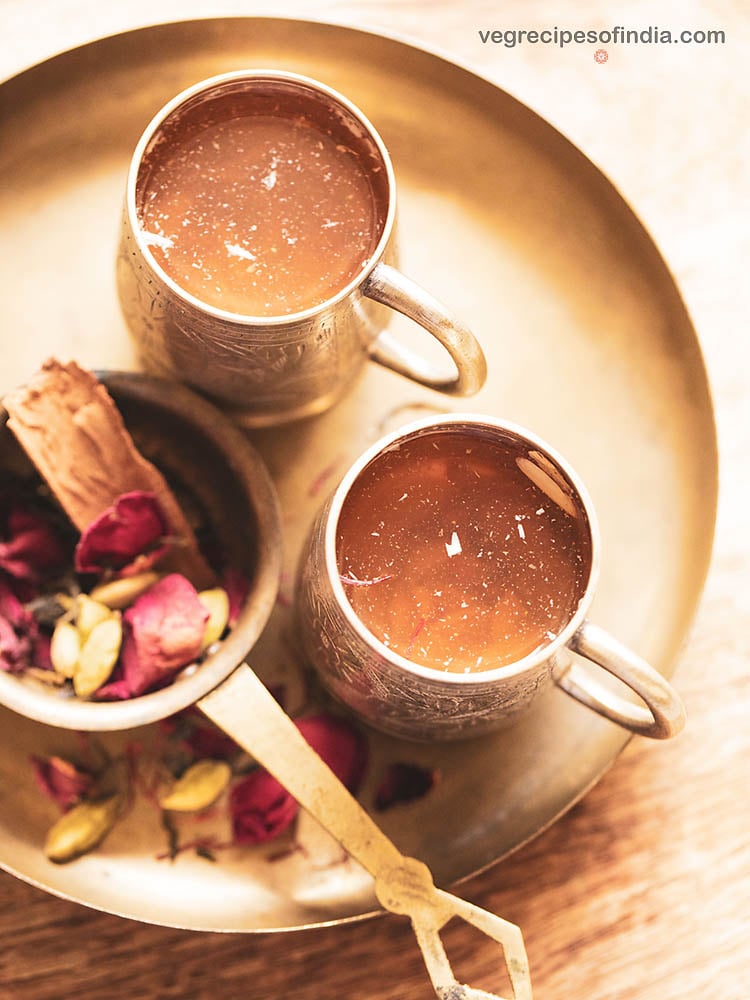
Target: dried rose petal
[
  {"x": 261, "y": 808},
  {"x": 116, "y": 688},
  {"x": 192, "y": 729},
  {"x": 341, "y": 745},
  {"x": 15, "y": 650},
  {"x": 61, "y": 780},
  {"x": 209, "y": 741},
  {"x": 130, "y": 536},
  {"x": 404, "y": 783},
  {"x": 18, "y": 632},
  {"x": 32, "y": 549},
  {"x": 41, "y": 657},
  {"x": 163, "y": 633},
  {"x": 11, "y": 608}
]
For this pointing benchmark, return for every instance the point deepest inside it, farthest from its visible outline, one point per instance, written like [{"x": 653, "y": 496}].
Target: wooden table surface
[{"x": 642, "y": 892}]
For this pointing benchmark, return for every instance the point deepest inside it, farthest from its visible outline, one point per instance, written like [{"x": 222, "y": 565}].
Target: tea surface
[
  {"x": 258, "y": 214},
  {"x": 462, "y": 552}
]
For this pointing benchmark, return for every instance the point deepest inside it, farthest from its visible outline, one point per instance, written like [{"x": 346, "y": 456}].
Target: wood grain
[{"x": 642, "y": 892}]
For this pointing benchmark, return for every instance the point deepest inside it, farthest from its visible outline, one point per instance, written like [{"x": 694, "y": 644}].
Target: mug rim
[
  {"x": 408, "y": 431},
  {"x": 257, "y": 76}
]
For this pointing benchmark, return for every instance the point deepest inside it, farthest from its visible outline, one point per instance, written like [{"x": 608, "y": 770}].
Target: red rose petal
[
  {"x": 42, "y": 646},
  {"x": 116, "y": 689},
  {"x": 261, "y": 808},
  {"x": 62, "y": 781},
  {"x": 341, "y": 745},
  {"x": 32, "y": 549},
  {"x": 130, "y": 536},
  {"x": 236, "y": 585},
  {"x": 209, "y": 742},
  {"x": 18, "y": 632},
  {"x": 12, "y": 610},
  {"x": 15, "y": 650},
  {"x": 163, "y": 633},
  {"x": 403, "y": 783}
]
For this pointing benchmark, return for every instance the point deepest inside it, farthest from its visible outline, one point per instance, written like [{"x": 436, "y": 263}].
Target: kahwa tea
[
  {"x": 261, "y": 204},
  {"x": 463, "y": 552}
]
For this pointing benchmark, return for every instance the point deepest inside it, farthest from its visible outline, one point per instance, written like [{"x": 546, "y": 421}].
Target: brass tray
[{"x": 588, "y": 344}]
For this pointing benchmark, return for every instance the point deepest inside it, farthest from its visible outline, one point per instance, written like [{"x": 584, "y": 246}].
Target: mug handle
[
  {"x": 664, "y": 715},
  {"x": 391, "y": 288}
]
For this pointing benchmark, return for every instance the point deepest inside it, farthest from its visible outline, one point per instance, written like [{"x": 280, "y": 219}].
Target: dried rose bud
[
  {"x": 130, "y": 536},
  {"x": 208, "y": 741},
  {"x": 163, "y": 633},
  {"x": 404, "y": 783},
  {"x": 341, "y": 745},
  {"x": 260, "y": 806},
  {"x": 61, "y": 780}
]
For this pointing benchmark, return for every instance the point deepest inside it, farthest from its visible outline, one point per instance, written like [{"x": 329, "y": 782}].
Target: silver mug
[
  {"x": 272, "y": 369},
  {"x": 392, "y": 693}
]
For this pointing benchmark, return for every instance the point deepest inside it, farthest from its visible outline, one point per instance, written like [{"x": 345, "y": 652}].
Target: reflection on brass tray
[{"x": 588, "y": 345}]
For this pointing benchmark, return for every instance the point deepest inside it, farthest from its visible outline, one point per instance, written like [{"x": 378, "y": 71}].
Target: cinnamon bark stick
[{"x": 69, "y": 426}]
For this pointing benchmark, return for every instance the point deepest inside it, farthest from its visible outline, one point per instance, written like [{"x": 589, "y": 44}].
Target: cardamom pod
[
  {"x": 65, "y": 648},
  {"x": 120, "y": 594},
  {"x": 199, "y": 786},
  {"x": 82, "y": 828},
  {"x": 98, "y": 656},
  {"x": 88, "y": 615},
  {"x": 216, "y": 602},
  {"x": 48, "y": 609},
  {"x": 48, "y": 677}
]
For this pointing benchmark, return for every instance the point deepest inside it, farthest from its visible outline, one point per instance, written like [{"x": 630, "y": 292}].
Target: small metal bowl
[{"x": 197, "y": 447}]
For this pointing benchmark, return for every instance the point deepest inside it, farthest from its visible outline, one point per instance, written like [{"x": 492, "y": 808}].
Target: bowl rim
[{"x": 248, "y": 468}]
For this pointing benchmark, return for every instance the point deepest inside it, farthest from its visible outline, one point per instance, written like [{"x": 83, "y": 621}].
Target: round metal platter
[{"x": 588, "y": 344}]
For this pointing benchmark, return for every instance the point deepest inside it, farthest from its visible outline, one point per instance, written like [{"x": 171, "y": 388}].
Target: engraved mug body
[
  {"x": 269, "y": 369},
  {"x": 408, "y": 699}
]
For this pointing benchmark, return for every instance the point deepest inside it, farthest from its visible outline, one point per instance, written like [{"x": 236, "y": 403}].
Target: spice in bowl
[{"x": 105, "y": 591}]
